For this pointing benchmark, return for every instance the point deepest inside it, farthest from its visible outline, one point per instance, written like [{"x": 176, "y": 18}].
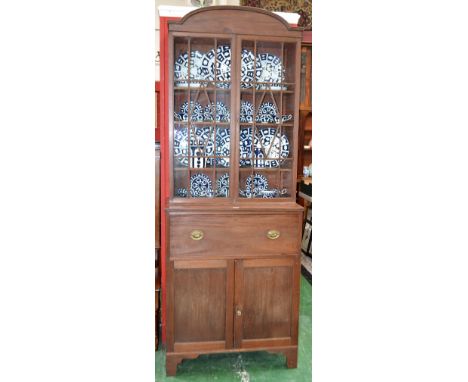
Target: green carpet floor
[{"x": 252, "y": 366}]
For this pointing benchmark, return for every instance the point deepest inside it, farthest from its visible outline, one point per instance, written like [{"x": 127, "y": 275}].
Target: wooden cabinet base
[{"x": 174, "y": 359}]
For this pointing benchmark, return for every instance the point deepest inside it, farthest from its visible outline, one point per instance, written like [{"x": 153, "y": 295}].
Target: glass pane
[
  {"x": 222, "y": 183},
  {"x": 289, "y": 62},
  {"x": 199, "y": 48},
  {"x": 180, "y": 182},
  {"x": 261, "y": 183},
  {"x": 182, "y": 63},
  {"x": 270, "y": 56},
  {"x": 202, "y": 117}
]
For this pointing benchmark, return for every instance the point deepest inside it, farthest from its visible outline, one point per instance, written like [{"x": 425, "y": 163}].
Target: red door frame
[{"x": 163, "y": 134}]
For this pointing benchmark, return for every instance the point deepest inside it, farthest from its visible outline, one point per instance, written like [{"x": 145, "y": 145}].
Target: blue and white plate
[
  {"x": 196, "y": 111},
  {"x": 200, "y": 186},
  {"x": 269, "y": 148},
  {"x": 246, "y": 112},
  {"x": 201, "y": 146},
  {"x": 216, "y": 65},
  {"x": 181, "y": 192},
  {"x": 272, "y": 71},
  {"x": 245, "y": 146},
  {"x": 181, "y": 68},
  {"x": 254, "y": 185},
  {"x": 223, "y": 147},
  {"x": 219, "y": 109},
  {"x": 222, "y": 184},
  {"x": 268, "y": 113},
  {"x": 250, "y": 68}
]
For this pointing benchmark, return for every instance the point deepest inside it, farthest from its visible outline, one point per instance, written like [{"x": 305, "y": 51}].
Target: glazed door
[
  {"x": 268, "y": 117},
  {"x": 200, "y": 311},
  {"x": 201, "y": 113},
  {"x": 266, "y": 302}
]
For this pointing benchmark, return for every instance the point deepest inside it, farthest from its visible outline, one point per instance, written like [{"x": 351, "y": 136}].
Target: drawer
[{"x": 235, "y": 235}]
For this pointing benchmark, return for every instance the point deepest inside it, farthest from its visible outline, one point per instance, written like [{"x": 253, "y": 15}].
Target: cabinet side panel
[
  {"x": 267, "y": 302},
  {"x": 199, "y": 304}
]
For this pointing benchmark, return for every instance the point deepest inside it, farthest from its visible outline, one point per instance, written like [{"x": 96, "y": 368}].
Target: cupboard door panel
[
  {"x": 202, "y": 302},
  {"x": 265, "y": 302}
]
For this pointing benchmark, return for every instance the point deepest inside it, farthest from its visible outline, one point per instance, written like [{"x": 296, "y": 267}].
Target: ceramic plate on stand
[{"x": 200, "y": 186}]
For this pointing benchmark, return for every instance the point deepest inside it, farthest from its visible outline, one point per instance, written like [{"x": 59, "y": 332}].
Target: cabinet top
[
  {"x": 179, "y": 11},
  {"x": 235, "y": 19}
]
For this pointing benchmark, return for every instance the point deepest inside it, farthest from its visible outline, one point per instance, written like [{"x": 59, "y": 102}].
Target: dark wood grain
[
  {"x": 241, "y": 235},
  {"x": 266, "y": 299},
  {"x": 200, "y": 303},
  {"x": 235, "y": 20}
]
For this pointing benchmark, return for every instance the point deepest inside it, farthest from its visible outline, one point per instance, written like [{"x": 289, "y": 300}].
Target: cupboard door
[
  {"x": 200, "y": 310},
  {"x": 266, "y": 302}
]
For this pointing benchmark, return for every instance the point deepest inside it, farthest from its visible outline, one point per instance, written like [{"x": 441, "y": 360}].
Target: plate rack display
[{"x": 242, "y": 120}]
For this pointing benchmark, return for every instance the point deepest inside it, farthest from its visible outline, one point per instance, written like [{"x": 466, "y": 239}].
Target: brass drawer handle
[
  {"x": 196, "y": 234},
  {"x": 273, "y": 234}
]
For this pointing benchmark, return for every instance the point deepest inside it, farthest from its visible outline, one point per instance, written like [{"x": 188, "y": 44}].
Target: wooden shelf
[
  {"x": 201, "y": 88},
  {"x": 206, "y": 169},
  {"x": 275, "y": 91},
  {"x": 263, "y": 169},
  {"x": 263, "y": 125},
  {"x": 202, "y": 124}
]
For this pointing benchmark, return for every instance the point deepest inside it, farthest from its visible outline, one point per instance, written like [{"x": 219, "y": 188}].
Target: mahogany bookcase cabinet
[{"x": 233, "y": 227}]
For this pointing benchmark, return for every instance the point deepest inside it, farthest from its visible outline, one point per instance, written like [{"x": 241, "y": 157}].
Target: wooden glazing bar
[{"x": 189, "y": 119}]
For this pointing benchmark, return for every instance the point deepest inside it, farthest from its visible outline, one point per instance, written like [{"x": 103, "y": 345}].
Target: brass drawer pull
[
  {"x": 196, "y": 234},
  {"x": 273, "y": 234}
]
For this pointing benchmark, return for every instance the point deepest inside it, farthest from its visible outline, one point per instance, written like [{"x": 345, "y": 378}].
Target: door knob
[{"x": 239, "y": 312}]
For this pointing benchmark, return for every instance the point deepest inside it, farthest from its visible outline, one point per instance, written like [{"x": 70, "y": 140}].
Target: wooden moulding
[{"x": 248, "y": 21}]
